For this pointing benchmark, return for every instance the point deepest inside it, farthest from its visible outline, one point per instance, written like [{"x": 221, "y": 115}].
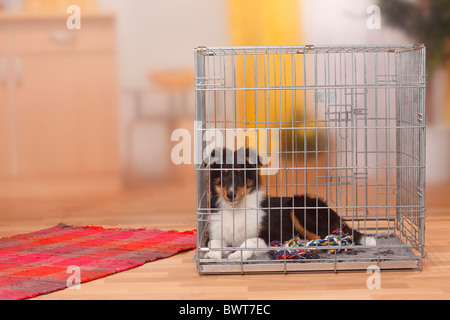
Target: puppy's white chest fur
[{"x": 235, "y": 224}]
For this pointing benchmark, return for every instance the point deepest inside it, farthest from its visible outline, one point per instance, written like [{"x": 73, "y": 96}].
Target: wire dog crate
[{"x": 342, "y": 123}]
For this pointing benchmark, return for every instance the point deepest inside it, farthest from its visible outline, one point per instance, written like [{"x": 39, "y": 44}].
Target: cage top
[{"x": 212, "y": 51}]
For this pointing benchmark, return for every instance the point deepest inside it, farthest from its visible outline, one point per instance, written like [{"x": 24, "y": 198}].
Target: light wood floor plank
[{"x": 173, "y": 207}]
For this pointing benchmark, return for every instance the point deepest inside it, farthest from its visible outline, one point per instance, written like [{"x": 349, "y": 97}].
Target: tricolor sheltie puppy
[{"x": 245, "y": 217}]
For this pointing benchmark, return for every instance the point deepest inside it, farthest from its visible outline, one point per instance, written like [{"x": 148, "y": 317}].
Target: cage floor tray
[{"x": 390, "y": 253}]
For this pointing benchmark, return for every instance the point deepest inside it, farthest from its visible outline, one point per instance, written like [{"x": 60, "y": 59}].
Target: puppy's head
[{"x": 234, "y": 174}]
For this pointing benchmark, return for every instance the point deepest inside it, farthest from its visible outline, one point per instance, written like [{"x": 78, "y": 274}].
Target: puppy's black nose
[{"x": 231, "y": 195}]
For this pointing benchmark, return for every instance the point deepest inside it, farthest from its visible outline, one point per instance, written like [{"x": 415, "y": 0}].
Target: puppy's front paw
[
  {"x": 237, "y": 255},
  {"x": 213, "y": 255}
]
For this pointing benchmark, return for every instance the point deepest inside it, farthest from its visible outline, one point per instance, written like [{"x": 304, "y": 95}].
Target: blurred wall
[
  {"x": 158, "y": 35},
  {"x": 329, "y": 22},
  {"x": 161, "y": 35},
  {"x": 344, "y": 22}
]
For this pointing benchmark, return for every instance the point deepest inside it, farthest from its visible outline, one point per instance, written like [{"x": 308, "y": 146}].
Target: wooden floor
[{"x": 172, "y": 206}]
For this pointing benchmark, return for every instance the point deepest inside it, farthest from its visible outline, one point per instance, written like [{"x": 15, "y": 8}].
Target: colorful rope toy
[
  {"x": 336, "y": 238},
  {"x": 290, "y": 253}
]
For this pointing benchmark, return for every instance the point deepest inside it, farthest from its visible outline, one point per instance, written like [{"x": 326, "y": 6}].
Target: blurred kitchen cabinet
[
  {"x": 4, "y": 110},
  {"x": 61, "y": 103}
]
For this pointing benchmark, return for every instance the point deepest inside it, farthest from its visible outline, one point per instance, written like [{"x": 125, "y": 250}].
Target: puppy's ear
[
  {"x": 252, "y": 157},
  {"x": 214, "y": 158}
]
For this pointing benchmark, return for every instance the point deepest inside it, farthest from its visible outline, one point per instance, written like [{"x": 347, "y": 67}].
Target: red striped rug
[{"x": 63, "y": 256}]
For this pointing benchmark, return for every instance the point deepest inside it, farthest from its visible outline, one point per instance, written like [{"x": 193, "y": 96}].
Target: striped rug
[{"x": 63, "y": 256}]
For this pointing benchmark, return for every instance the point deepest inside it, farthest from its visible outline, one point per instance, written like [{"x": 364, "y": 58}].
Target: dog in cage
[{"x": 245, "y": 217}]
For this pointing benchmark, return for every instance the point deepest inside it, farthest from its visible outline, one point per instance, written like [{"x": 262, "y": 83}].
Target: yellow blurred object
[
  {"x": 58, "y": 5},
  {"x": 267, "y": 23}
]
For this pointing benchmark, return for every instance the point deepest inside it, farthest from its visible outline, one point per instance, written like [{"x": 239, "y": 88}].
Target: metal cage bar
[{"x": 344, "y": 124}]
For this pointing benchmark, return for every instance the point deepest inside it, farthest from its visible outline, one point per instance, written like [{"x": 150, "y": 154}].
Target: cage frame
[{"x": 409, "y": 219}]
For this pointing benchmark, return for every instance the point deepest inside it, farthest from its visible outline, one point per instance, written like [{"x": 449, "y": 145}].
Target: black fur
[{"x": 313, "y": 214}]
